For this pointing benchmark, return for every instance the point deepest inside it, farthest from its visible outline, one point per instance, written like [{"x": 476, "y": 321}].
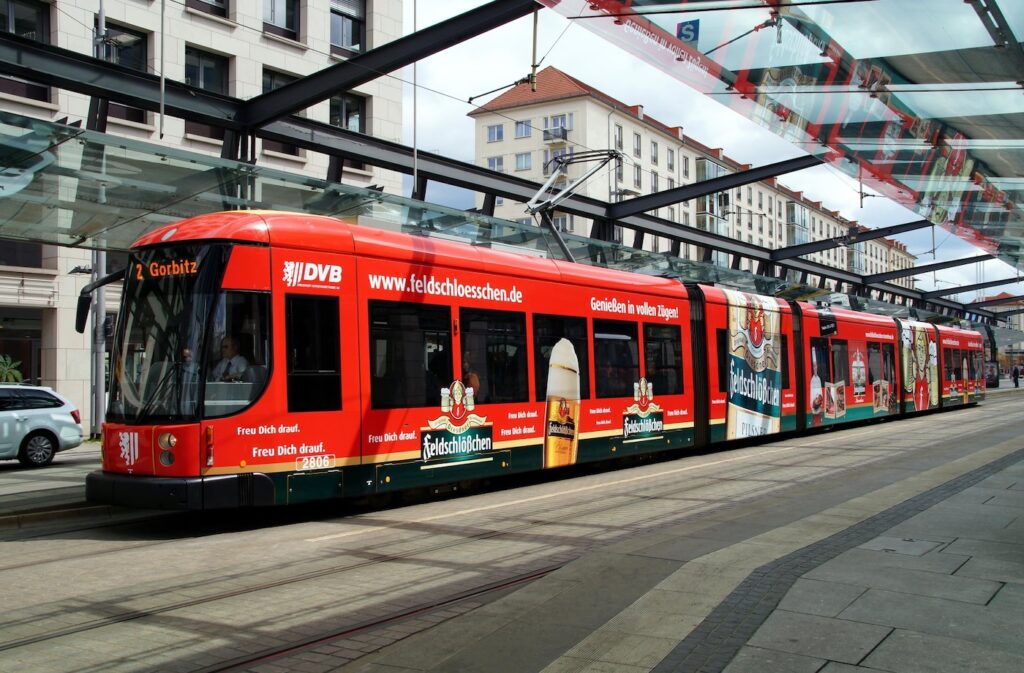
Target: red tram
[{"x": 268, "y": 358}]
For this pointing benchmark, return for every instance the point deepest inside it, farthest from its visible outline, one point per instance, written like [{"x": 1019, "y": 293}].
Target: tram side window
[
  {"x": 494, "y": 349},
  {"x": 313, "y": 345},
  {"x": 840, "y": 362},
  {"x": 616, "y": 358},
  {"x": 874, "y": 362},
  {"x": 889, "y": 363},
  {"x": 785, "y": 362},
  {"x": 663, "y": 358},
  {"x": 947, "y": 369},
  {"x": 410, "y": 354},
  {"x": 722, "y": 344},
  {"x": 238, "y": 352},
  {"x": 547, "y": 330},
  {"x": 820, "y": 365}
]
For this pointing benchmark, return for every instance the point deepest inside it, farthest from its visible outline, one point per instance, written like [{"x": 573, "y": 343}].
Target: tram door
[{"x": 316, "y": 352}]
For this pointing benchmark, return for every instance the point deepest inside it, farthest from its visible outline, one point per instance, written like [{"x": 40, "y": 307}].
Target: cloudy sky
[{"x": 447, "y": 80}]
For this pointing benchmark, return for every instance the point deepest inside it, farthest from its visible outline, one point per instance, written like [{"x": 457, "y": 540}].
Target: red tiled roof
[{"x": 552, "y": 85}]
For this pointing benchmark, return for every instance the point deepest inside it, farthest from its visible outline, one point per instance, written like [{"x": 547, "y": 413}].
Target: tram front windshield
[{"x": 169, "y": 295}]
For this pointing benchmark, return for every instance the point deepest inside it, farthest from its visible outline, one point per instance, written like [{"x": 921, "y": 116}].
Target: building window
[
  {"x": 21, "y": 253},
  {"x": 560, "y": 121},
  {"x": 760, "y": 200},
  {"x": 348, "y": 111},
  {"x": 636, "y": 176},
  {"x": 524, "y": 161},
  {"x": 671, "y": 183},
  {"x": 348, "y": 26},
  {"x": 654, "y": 152},
  {"x": 496, "y": 164},
  {"x": 750, "y": 196},
  {"x": 128, "y": 48},
  {"x": 618, "y": 171},
  {"x": 686, "y": 167},
  {"x": 550, "y": 159},
  {"x": 771, "y": 207},
  {"x": 672, "y": 214},
  {"x": 523, "y": 129},
  {"x": 30, "y": 20},
  {"x": 564, "y": 223},
  {"x": 208, "y": 72},
  {"x": 654, "y": 182},
  {"x": 281, "y": 17},
  {"x": 275, "y": 80},
  {"x": 618, "y": 137},
  {"x": 495, "y": 133},
  {"x": 636, "y": 145},
  {"x": 686, "y": 219},
  {"x": 215, "y": 7}
]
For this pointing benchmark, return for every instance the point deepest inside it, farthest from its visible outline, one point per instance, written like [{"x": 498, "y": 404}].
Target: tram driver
[{"x": 232, "y": 366}]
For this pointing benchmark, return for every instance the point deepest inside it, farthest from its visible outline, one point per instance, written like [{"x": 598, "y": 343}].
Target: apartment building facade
[
  {"x": 241, "y": 48},
  {"x": 521, "y": 131}
]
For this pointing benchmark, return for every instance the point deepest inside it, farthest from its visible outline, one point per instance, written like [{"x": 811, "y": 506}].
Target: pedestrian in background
[{"x": 1016, "y": 376}]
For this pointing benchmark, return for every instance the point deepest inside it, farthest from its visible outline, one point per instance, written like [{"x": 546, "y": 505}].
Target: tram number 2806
[{"x": 315, "y": 462}]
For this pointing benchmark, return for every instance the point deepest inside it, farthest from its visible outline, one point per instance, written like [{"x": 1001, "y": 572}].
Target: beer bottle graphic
[{"x": 562, "y": 410}]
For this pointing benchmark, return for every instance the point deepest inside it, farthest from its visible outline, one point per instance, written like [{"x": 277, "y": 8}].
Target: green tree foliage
[{"x": 10, "y": 371}]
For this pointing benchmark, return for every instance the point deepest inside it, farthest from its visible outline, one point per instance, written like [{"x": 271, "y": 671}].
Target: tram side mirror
[
  {"x": 82, "y": 315},
  {"x": 85, "y": 297}
]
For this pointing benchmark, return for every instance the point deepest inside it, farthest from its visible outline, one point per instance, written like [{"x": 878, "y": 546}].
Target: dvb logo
[{"x": 296, "y": 273}]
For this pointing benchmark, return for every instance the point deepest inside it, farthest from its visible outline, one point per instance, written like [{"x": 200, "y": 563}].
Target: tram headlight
[{"x": 166, "y": 441}]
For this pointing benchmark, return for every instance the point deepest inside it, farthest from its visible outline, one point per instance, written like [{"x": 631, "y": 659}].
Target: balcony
[{"x": 558, "y": 134}]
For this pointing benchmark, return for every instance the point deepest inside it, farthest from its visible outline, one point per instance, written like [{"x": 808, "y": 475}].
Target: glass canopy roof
[
  {"x": 67, "y": 186},
  {"x": 923, "y": 100},
  {"x": 58, "y": 186}
]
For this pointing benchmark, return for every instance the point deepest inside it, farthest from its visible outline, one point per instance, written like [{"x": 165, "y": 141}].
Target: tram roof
[{"x": 327, "y": 234}]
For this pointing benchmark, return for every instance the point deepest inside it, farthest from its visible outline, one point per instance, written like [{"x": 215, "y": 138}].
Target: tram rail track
[
  {"x": 132, "y": 615},
  {"x": 811, "y": 451},
  {"x": 272, "y": 654}
]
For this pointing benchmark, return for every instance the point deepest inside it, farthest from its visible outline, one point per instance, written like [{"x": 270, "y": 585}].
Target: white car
[{"x": 36, "y": 423}]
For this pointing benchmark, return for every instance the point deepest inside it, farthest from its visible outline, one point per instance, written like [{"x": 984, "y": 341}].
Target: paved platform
[
  {"x": 919, "y": 567},
  {"x": 926, "y": 574}
]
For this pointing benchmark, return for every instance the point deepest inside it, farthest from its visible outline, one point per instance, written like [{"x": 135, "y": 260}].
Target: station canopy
[{"x": 922, "y": 100}]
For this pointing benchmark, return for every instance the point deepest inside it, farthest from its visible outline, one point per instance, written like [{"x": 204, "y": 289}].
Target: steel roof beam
[
  {"x": 913, "y": 271},
  {"x": 968, "y": 288},
  {"x": 850, "y": 239},
  {"x": 668, "y": 197},
  {"x": 70, "y": 70},
  {"x": 378, "y": 62}
]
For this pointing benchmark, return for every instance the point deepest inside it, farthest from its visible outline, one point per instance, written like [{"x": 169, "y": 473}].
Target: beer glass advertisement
[
  {"x": 562, "y": 406},
  {"x": 755, "y": 377}
]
